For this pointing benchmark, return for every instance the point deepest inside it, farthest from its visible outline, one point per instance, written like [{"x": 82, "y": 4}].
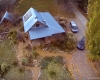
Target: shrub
[
  {"x": 4, "y": 67},
  {"x": 12, "y": 36},
  {"x": 45, "y": 61},
  {"x": 52, "y": 73},
  {"x": 70, "y": 45},
  {"x": 58, "y": 59},
  {"x": 62, "y": 19},
  {"x": 15, "y": 63},
  {"x": 24, "y": 61},
  {"x": 70, "y": 41},
  {"x": 21, "y": 69},
  {"x": 70, "y": 37},
  {"x": 34, "y": 54},
  {"x": 62, "y": 23},
  {"x": 93, "y": 57}
]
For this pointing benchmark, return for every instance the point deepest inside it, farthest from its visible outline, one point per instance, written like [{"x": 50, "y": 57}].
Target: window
[{"x": 37, "y": 25}]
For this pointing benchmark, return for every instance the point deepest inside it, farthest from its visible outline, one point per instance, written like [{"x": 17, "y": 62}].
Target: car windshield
[
  {"x": 74, "y": 27},
  {"x": 82, "y": 41}
]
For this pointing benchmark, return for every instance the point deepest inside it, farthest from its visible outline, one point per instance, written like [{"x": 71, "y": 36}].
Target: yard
[
  {"x": 8, "y": 57},
  {"x": 8, "y": 53},
  {"x": 53, "y": 68},
  {"x": 76, "y": 63},
  {"x": 55, "y": 7}
]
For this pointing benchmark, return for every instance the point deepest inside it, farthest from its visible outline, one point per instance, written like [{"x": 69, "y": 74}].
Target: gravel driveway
[{"x": 80, "y": 67}]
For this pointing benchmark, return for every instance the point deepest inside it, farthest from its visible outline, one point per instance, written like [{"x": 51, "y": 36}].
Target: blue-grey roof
[
  {"x": 44, "y": 31},
  {"x": 7, "y": 16},
  {"x": 30, "y": 18}
]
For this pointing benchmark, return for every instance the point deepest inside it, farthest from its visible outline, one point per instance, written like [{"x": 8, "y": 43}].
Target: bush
[
  {"x": 62, "y": 23},
  {"x": 12, "y": 36},
  {"x": 45, "y": 61},
  {"x": 70, "y": 45},
  {"x": 15, "y": 63},
  {"x": 24, "y": 61},
  {"x": 4, "y": 67},
  {"x": 62, "y": 19},
  {"x": 70, "y": 41},
  {"x": 70, "y": 37},
  {"x": 58, "y": 60},
  {"x": 93, "y": 57},
  {"x": 52, "y": 73},
  {"x": 21, "y": 69},
  {"x": 34, "y": 54}
]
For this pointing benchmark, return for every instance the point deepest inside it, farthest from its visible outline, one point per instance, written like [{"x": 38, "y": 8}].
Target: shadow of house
[
  {"x": 7, "y": 19},
  {"x": 42, "y": 27}
]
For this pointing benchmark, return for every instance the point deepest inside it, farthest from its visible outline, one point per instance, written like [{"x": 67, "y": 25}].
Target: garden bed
[{"x": 53, "y": 68}]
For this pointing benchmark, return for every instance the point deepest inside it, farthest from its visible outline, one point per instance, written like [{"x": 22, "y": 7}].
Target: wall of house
[
  {"x": 40, "y": 24},
  {"x": 38, "y": 42},
  {"x": 55, "y": 37},
  {"x": 6, "y": 23},
  {"x": 47, "y": 40}
]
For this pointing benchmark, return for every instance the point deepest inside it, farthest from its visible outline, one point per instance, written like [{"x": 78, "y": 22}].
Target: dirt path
[
  {"x": 20, "y": 52},
  {"x": 80, "y": 66}
]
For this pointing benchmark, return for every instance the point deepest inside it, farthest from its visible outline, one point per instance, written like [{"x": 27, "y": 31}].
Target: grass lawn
[
  {"x": 7, "y": 55},
  {"x": 51, "y": 6}
]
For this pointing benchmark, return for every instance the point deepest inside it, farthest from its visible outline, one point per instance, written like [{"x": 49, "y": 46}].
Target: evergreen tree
[{"x": 93, "y": 28}]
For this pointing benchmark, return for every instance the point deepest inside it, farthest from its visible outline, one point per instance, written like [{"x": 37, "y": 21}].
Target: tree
[
  {"x": 82, "y": 3},
  {"x": 93, "y": 28}
]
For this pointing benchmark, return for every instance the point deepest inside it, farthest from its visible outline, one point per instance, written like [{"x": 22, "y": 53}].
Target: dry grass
[
  {"x": 15, "y": 74},
  {"x": 51, "y": 6},
  {"x": 6, "y": 52},
  {"x": 7, "y": 55}
]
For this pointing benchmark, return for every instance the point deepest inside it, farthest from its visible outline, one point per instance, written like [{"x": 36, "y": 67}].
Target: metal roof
[
  {"x": 7, "y": 16},
  {"x": 30, "y": 18},
  {"x": 44, "y": 31}
]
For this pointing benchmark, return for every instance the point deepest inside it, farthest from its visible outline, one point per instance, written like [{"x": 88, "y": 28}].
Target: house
[
  {"x": 42, "y": 26},
  {"x": 7, "y": 19}
]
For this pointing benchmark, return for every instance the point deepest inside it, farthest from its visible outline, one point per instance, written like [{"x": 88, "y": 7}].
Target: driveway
[{"x": 80, "y": 67}]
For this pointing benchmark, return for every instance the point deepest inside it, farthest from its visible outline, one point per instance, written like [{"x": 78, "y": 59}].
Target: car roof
[
  {"x": 73, "y": 23},
  {"x": 83, "y": 39}
]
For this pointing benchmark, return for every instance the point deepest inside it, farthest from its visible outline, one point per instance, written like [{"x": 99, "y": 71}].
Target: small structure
[
  {"x": 7, "y": 19},
  {"x": 42, "y": 26}
]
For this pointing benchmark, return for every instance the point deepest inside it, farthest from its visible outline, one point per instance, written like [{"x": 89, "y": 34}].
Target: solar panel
[{"x": 27, "y": 16}]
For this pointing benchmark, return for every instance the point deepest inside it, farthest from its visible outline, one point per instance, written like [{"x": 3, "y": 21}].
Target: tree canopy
[{"x": 93, "y": 28}]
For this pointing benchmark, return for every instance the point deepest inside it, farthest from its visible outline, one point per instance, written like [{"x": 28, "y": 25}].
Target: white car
[{"x": 73, "y": 27}]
